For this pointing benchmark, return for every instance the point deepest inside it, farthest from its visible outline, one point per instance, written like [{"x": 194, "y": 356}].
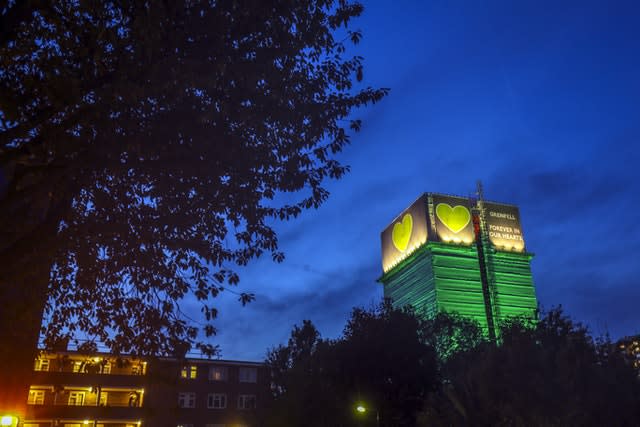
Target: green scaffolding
[{"x": 443, "y": 277}]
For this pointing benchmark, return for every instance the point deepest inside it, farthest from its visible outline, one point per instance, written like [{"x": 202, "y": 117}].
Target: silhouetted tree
[
  {"x": 302, "y": 381},
  {"x": 549, "y": 373},
  {"x": 143, "y": 146},
  {"x": 451, "y": 333},
  {"x": 381, "y": 361}
]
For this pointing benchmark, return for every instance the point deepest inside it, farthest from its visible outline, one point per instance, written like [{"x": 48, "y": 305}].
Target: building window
[
  {"x": 103, "y": 398},
  {"x": 217, "y": 401},
  {"x": 218, "y": 373},
  {"x": 106, "y": 368},
  {"x": 187, "y": 400},
  {"x": 137, "y": 369},
  {"x": 135, "y": 399},
  {"x": 76, "y": 365},
  {"x": 36, "y": 397},
  {"x": 42, "y": 365},
  {"x": 248, "y": 375},
  {"x": 76, "y": 398},
  {"x": 247, "y": 401},
  {"x": 190, "y": 372}
]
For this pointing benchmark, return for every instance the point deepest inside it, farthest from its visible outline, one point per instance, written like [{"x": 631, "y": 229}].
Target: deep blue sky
[{"x": 540, "y": 100}]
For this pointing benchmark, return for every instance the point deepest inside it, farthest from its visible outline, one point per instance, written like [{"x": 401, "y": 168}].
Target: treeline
[{"x": 390, "y": 367}]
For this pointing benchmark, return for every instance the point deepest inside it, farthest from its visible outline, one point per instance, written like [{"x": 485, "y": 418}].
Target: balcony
[
  {"x": 71, "y": 422},
  {"x": 92, "y": 365},
  {"x": 103, "y": 403}
]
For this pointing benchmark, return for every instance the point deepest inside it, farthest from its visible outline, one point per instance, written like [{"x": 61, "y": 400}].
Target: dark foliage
[
  {"x": 549, "y": 372},
  {"x": 450, "y": 334},
  {"x": 381, "y": 362},
  {"x": 143, "y": 145},
  {"x": 545, "y": 373}
]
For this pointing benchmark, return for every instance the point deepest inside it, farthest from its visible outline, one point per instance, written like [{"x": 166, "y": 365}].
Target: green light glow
[
  {"x": 441, "y": 277},
  {"x": 361, "y": 409}
]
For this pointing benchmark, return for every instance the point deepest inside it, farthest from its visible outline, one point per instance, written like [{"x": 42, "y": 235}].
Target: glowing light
[
  {"x": 513, "y": 277},
  {"x": 403, "y": 236},
  {"x": 8, "y": 420},
  {"x": 361, "y": 409},
  {"x": 85, "y": 422},
  {"x": 401, "y": 233}
]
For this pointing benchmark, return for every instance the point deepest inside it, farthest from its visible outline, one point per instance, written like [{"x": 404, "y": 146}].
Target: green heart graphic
[
  {"x": 402, "y": 232},
  {"x": 455, "y": 218}
]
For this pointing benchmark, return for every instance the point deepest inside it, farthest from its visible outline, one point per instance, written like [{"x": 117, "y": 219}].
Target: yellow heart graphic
[
  {"x": 455, "y": 219},
  {"x": 402, "y": 232}
]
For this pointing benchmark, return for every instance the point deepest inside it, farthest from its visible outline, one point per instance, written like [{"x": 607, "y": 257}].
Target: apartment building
[
  {"x": 74, "y": 390},
  {"x": 630, "y": 347}
]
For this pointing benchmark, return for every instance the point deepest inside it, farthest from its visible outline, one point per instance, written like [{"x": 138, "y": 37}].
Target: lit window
[
  {"x": 103, "y": 398},
  {"x": 36, "y": 397},
  {"x": 217, "y": 401},
  {"x": 218, "y": 373},
  {"x": 248, "y": 375},
  {"x": 106, "y": 368},
  {"x": 42, "y": 365},
  {"x": 135, "y": 398},
  {"x": 76, "y": 365},
  {"x": 187, "y": 400},
  {"x": 247, "y": 401},
  {"x": 76, "y": 398},
  {"x": 190, "y": 372}
]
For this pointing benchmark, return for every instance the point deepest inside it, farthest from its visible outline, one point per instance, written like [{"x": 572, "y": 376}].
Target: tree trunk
[
  {"x": 25, "y": 267},
  {"x": 24, "y": 279}
]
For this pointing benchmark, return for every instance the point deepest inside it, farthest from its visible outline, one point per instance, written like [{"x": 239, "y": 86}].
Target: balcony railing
[
  {"x": 85, "y": 397},
  {"x": 84, "y": 412}
]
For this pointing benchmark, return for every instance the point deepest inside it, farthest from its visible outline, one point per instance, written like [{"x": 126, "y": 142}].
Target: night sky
[{"x": 539, "y": 100}]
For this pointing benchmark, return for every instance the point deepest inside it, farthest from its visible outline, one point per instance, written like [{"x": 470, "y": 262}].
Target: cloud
[
  {"x": 324, "y": 297},
  {"x": 606, "y": 305}
]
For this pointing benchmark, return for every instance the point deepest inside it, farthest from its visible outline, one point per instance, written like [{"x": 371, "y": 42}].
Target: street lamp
[
  {"x": 8, "y": 421},
  {"x": 361, "y": 409}
]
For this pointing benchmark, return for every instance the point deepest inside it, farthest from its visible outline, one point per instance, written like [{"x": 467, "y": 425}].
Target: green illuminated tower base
[{"x": 443, "y": 277}]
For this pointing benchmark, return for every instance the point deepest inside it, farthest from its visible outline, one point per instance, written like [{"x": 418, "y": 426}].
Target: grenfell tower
[{"x": 456, "y": 254}]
